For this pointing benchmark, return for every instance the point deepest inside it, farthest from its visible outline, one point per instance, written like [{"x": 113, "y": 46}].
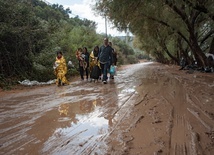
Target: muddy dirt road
[{"x": 148, "y": 109}]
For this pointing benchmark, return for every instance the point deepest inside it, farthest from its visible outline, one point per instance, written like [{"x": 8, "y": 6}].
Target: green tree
[{"x": 163, "y": 21}]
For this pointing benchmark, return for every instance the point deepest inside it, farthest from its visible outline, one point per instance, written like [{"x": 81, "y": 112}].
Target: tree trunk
[
  {"x": 160, "y": 57},
  {"x": 197, "y": 51},
  {"x": 184, "y": 52},
  {"x": 169, "y": 54}
]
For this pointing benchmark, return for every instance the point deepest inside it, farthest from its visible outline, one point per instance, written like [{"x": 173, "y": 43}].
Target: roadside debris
[{"x": 33, "y": 83}]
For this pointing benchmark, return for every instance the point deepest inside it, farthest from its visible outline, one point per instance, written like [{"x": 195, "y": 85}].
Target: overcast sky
[{"x": 83, "y": 9}]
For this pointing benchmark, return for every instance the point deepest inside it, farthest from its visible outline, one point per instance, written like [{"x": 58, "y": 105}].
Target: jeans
[
  {"x": 104, "y": 68},
  {"x": 82, "y": 72}
]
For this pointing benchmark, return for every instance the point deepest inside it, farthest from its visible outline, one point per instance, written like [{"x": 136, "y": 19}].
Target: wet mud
[{"x": 148, "y": 109}]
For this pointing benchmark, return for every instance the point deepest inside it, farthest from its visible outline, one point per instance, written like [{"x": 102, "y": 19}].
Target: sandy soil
[{"x": 148, "y": 109}]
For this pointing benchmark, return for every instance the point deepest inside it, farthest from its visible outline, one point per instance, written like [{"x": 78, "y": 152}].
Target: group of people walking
[{"x": 94, "y": 65}]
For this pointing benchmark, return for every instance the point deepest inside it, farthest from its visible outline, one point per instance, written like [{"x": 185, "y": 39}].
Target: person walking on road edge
[
  {"x": 105, "y": 59},
  {"x": 60, "y": 69}
]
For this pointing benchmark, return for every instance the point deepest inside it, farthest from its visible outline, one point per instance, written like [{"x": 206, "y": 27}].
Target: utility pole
[
  {"x": 106, "y": 26},
  {"x": 126, "y": 29},
  {"x": 127, "y": 36}
]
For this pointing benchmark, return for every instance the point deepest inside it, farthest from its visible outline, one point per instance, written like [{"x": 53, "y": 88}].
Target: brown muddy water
[{"x": 148, "y": 109}]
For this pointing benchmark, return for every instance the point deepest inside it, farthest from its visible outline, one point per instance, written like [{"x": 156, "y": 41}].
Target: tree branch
[
  {"x": 195, "y": 17},
  {"x": 167, "y": 25},
  {"x": 200, "y": 8},
  {"x": 178, "y": 11},
  {"x": 206, "y": 37}
]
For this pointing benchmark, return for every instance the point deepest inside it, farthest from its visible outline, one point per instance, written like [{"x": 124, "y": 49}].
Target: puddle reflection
[
  {"x": 78, "y": 121},
  {"x": 128, "y": 90},
  {"x": 70, "y": 111},
  {"x": 86, "y": 128}
]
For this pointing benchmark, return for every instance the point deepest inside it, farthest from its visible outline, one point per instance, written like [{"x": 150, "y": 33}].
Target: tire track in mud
[
  {"x": 185, "y": 128},
  {"x": 177, "y": 128},
  {"x": 190, "y": 98},
  {"x": 181, "y": 131},
  {"x": 206, "y": 122},
  {"x": 202, "y": 112}
]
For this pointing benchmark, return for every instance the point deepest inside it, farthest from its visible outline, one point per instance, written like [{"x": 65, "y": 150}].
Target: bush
[{"x": 132, "y": 59}]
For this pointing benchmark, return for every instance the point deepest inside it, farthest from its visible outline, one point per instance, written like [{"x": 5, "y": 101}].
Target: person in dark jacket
[{"x": 105, "y": 59}]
